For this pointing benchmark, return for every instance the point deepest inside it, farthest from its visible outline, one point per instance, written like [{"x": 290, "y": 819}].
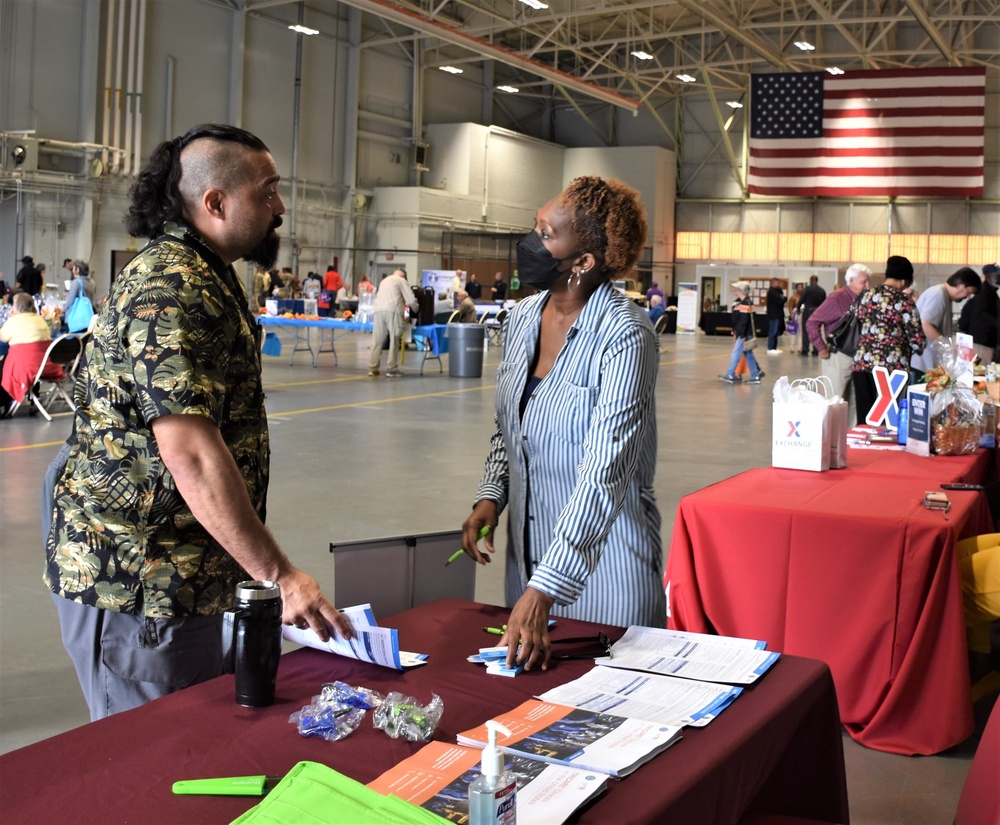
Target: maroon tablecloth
[
  {"x": 847, "y": 567},
  {"x": 778, "y": 748}
]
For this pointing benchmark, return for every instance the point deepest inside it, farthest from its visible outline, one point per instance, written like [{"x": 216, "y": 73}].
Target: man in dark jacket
[
  {"x": 775, "y": 316},
  {"x": 28, "y": 277},
  {"x": 979, "y": 315},
  {"x": 812, "y": 296}
]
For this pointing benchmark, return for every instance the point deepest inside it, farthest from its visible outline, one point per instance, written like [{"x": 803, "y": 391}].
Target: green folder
[{"x": 313, "y": 794}]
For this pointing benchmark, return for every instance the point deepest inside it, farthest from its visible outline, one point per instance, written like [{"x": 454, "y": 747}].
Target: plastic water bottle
[{"x": 904, "y": 421}]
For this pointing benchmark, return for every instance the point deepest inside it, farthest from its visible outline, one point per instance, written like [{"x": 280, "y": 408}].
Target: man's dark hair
[
  {"x": 155, "y": 197},
  {"x": 967, "y": 277}
]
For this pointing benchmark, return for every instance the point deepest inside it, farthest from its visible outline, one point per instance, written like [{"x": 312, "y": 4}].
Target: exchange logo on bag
[{"x": 795, "y": 440}]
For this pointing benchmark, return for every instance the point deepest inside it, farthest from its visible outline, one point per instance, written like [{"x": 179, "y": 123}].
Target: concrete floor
[{"x": 356, "y": 457}]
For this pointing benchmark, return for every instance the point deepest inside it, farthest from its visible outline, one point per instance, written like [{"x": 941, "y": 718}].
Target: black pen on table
[{"x": 484, "y": 531}]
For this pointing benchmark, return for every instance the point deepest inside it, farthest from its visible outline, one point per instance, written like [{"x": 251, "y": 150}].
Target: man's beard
[{"x": 265, "y": 255}]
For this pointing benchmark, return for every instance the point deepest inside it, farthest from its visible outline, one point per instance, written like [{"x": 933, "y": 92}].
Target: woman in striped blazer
[{"x": 574, "y": 451}]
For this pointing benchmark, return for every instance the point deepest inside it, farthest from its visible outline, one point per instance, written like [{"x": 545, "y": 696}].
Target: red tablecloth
[
  {"x": 969, "y": 469},
  {"x": 777, "y": 749},
  {"x": 844, "y": 566}
]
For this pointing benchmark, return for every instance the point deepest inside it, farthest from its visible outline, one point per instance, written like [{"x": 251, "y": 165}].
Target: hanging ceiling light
[
  {"x": 642, "y": 55},
  {"x": 686, "y": 78},
  {"x": 734, "y": 104},
  {"x": 834, "y": 70},
  {"x": 535, "y": 4},
  {"x": 511, "y": 90},
  {"x": 450, "y": 69},
  {"x": 805, "y": 46},
  {"x": 303, "y": 29}
]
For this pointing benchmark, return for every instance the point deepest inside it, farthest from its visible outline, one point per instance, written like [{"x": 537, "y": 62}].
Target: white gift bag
[
  {"x": 800, "y": 426},
  {"x": 839, "y": 425},
  {"x": 837, "y": 416}
]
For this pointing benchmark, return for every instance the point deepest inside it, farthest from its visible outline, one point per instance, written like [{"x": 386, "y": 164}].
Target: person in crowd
[
  {"x": 812, "y": 296},
  {"x": 890, "y": 331},
  {"x": 24, "y": 325},
  {"x": 4, "y": 289},
  {"x": 393, "y": 296},
  {"x": 473, "y": 287},
  {"x": 442, "y": 307},
  {"x": 332, "y": 282},
  {"x": 27, "y": 337},
  {"x": 159, "y": 494},
  {"x": 67, "y": 264},
  {"x": 5, "y": 308},
  {"x": 292, "y": 285},
  {"x": 311, "y": 287},
  {"x": 365, "y": 285},
  {"x": 261, "y": 287},
  {"x": 28, "y": 277},
  {"x": 457, "y": 285},
  {"x": 980, "y": 316},
  {"x": 498, "y": 292},
  {"x": 466, "y": 308},
  {"x": 792, "y": 305},
  {"x": 837, "y": 366},
  {"x": 82, "y": 284},
  {"x": 743, "y": 331},
  {"x": 653, "y": 292},
  {"x": 935, "y": 308},
  {"x": 575, "y": 392},
  {"x": 775, "y": 316},
  {"x": 656, "y": 310}
]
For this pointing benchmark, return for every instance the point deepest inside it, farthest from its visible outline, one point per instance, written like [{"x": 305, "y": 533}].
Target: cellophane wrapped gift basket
[{"x": 956, "y": 409}]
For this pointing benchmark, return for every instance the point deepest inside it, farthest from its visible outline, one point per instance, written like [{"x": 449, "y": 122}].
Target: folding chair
[
  {"x": 427, "y": 345},
  {"x": 494, "y": 328},
  {"x": 64, "y": 352},
  {"x": 661, "y": 324}
]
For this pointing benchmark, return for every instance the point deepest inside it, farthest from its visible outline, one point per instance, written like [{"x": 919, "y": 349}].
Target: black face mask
[{"x": 536, "y": 266}]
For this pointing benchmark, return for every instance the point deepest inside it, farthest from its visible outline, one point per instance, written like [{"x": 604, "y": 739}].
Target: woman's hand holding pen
[{"x": 484, "y": 514}]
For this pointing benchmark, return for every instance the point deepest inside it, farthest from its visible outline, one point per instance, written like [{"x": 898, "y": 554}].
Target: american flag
[{"x": 916, "y": 132}]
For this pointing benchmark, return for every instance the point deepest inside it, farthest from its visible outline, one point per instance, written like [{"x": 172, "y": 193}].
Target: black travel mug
[{"x": 256, "y": 641}]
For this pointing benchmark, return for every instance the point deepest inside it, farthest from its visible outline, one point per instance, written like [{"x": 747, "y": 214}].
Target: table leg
[
  {"x": 333, "y": 347},
  {"x": 301, "y": 338}
]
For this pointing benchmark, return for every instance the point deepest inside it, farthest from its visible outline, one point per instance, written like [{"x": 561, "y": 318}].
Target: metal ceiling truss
[
  {"x": 578, "y": 53},
  {"x": 588, "y": 43}
]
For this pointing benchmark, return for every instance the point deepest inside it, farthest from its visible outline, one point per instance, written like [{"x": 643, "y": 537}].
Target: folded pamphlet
[
  {"x": 437, "y": 777},
  {"x": 699, "y": 656},
  {"x": 578, "y": 738},
  {"x": 371, "y": 643},
  {"x": 666, "y": 700}
]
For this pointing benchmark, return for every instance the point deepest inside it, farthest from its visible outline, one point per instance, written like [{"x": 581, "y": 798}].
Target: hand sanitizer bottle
[{"x": 493, "y": 795}]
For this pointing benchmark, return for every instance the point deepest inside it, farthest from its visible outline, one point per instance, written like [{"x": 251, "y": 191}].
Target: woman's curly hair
[
  {"x": 609, "y": 221},
  {"x": 155, "y": 197}
]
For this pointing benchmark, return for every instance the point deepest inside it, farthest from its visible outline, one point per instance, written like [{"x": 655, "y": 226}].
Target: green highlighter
[{"x": 228, "y": 786}]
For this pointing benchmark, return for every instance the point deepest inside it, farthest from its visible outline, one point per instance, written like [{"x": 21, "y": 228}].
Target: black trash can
[{"x": 465, "y": 350}]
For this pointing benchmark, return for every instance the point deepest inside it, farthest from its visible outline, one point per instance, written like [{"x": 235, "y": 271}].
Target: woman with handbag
[
  {"x": 745, "y": 335},
  {"x": 890, "y": 332},
  {"x": 81, "y": 289}
]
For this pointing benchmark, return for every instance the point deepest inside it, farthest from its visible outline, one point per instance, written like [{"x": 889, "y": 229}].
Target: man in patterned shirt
[{"x": 157, "y": 501}]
